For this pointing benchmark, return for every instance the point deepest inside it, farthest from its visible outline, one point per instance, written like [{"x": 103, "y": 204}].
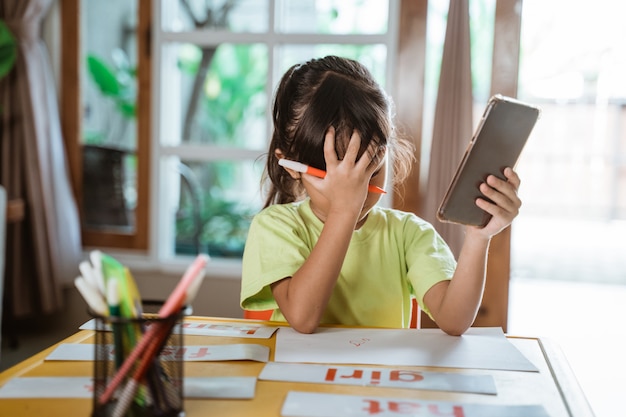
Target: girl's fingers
[
  {"x": 369, "y": 161},
  {"x": 353, "y": 147},
  {"x": 512, "y": 178},
  {"x": 505, "y": 201},
  {"x": 330, "y": 155},
  {"x": 378, "y": 155},
  {"x": 503, "y": 194},
  {"x": 371, "y": 158}
]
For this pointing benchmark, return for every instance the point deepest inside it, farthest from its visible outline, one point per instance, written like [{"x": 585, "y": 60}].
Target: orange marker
[{"x": 300, "y": 167}]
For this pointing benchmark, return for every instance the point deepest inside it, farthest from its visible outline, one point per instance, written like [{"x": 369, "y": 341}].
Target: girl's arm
[
  {"x": 454, "y": 304},
  {"x": 338, "y": 200},
  {"x": 303, "y": 297}
]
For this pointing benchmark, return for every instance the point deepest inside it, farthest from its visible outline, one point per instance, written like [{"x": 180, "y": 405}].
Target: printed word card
[
  {"x": 478, "y": 348},
  {"x": 82, "y": 387},
  {"x": 207, "y": 328},
  {"x": 378, "y": 377},
  {"x": 306, "y": 404},
  {"x": 234, "y": 352}
]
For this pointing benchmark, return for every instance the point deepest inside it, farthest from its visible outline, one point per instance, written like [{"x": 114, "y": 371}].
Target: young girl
[{"x": 321, "y": 251}]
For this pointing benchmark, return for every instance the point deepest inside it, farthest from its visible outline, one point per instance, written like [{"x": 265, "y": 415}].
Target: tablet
[{"x": 497, "y": 143}]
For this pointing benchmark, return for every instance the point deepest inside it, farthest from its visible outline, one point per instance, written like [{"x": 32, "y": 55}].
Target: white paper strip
[
  {"x": 230, "y": 352},
  {"x": 478, "y": 348},
  {"x": 48, "y": 387},
  {"x": 82, "y": 387},
  {"x": 378, "y": 377},
  {"x": 304, "y": 404},
  {"x": 234, "y": 387},
  {"x": 207, "y": 328}
]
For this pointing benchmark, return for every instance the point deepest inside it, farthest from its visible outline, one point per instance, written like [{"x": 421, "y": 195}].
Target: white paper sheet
[
  {"x": 192, "y": 353},
  {"x": 478, "y": 348},
  {"x": 305, "y": 404},
  {"x": 378, "y": 377},
  {"x": 82, "y": 387},
  {"x": 208, "y": 328}
]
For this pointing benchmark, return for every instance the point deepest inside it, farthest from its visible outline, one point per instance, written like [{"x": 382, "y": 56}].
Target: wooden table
[{"x": 554, "y": 386}]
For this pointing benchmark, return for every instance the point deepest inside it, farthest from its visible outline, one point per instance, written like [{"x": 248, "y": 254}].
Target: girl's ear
[{"x": 294, "y": 174}]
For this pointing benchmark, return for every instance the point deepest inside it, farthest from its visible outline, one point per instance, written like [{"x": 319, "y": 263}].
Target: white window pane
[
  {"x": 214, "y": 95},
  {"x": 563, "y": 60},
  {"x": 214, "y": 204},
  {"x": 109, "y": 101},
  {"x": 573, "y": 168},
  {"x": 234, "y": 16},
  {"x": 579, "y": 142},
  {"x": 109, "y": 188},
  {"x": 374, "y": 57},
  {"x": 332, "y": 16}
]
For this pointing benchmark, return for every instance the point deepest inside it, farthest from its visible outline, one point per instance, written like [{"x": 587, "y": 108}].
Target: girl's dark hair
[{"x": 325, "y": 92}]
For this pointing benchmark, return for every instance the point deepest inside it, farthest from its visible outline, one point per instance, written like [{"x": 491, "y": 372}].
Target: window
[
  {"x": 109, "y": 113},
  {"x": 105, "y": 117},
  {"x": 574, "y": 166},
  {"x": 218, "y": 64},
  {"x": 202, "y": 100}
]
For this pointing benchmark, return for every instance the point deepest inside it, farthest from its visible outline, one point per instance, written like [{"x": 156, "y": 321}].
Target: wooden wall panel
[{"x": 408, "y": 94}]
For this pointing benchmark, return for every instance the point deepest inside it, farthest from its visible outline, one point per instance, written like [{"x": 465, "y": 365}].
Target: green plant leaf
[
  {"x": 93, "y": 138},
  {"x": 127, "y": 109},
  {"x": 189, "y": 58},
  {"x": 8, "y": 49},
  {"x": 103, "y": 76}
]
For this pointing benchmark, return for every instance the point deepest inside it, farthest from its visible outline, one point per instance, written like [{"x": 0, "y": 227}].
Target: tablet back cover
[{"x": 497, "y": 144}]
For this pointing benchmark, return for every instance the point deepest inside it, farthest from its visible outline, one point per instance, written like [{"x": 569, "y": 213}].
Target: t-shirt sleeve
[
  {"x": 275, "y": 249},
  {"x": 429, "y": 258}
]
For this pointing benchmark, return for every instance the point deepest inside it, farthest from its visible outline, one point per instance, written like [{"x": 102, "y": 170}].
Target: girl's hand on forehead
[
  {"x": 352, "y": 152},
  {"x": 346, "y": 181}
]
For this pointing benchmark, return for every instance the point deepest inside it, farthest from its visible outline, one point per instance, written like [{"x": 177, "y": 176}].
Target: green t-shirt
[{"x": 393, "y": 256}]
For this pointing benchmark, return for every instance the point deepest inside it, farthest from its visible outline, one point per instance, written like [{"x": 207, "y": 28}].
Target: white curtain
[{"x": 44, "y": 249}]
